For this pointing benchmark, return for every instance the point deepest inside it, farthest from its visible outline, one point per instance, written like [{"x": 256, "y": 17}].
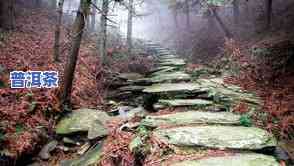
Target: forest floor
[{"x": 28, "y": 116}]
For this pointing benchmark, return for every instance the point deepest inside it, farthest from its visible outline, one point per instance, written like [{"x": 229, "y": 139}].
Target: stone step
[
  {"x": 192, "y": 117},
  {"x": 174, "y": 87},
  {"x": 219, "y": 137},
  {"x": 172, "y": 62},
  {"x": 170, "y": 77},
  {"x": 84, "y": 120},
  {"x": 247, "y": 159},
  {"x": 185, "y": 102},
  {"x": 164, "y": 71}
]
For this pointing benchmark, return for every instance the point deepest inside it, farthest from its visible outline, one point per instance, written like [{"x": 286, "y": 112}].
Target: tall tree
[
  {"x": 53, "y": 4},
  {"x": 130, "y": 26},
  {"x": 221, "y": 23},
  {"x": 103, "y": 32},
  {"x": 57, "y": 30},
  {"x": 78, "y": 30},
  {"x": 269, "y": 8},
  {"x": 236, "y": 13},
  {"x": 7, "y": 14},
  {"x": 187, "y": 12},
  {"x": 93, "y": 16}
]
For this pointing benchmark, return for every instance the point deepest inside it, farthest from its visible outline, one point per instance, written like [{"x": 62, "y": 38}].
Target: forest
[{"x": 146, "y": 83}]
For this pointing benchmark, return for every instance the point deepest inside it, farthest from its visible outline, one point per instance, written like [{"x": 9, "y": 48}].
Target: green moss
[{"x": 246, "y": 121}]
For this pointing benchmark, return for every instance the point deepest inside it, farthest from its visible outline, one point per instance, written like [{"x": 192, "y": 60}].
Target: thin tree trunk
[
  {"x": 236, "y": 12},
  {"x": 53, "y": 4},
  {"x": 7, "y": 14},
  {"x": 103, "y": 33},
  {"x": 269, "y": 8},
  {"x": 78, "y": 30},
  {"x": 130, "y": 28},
  {"x": 57, "y": 30},
  {"x": 221, "y": 23},
  {"x": 93, "y": 17},
  {"x": 187, "y": 12},
  {"x": 175, "y": 16}
]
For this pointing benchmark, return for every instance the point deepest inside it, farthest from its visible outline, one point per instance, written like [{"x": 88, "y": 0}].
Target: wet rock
[
  {"x": 45, "y": 152},
  {"x": 174, "y": 87},
  {"x": 67, "y": 140},
  {"x": 192, "y": 117},
  {"x": 185, "y": 102},
  {"x": 170, "y": 77},
  {"x": 92, "y": 157},
  {"x": 250, "y": 159},
  {"x": 221, "y": 137},
  {"x": 87, "y": 120}
]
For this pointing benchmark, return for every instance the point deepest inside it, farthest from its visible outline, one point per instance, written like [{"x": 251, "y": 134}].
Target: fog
[{"x": 152, "y": 18}]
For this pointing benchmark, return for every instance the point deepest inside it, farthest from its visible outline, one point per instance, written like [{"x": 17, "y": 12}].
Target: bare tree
[
  {"x": 187, "y": 12},
  {"x": 269, "y": 8},
  {"x": 130, "y": 26},
  {"x": 7, "y": 14},
  {"x": 78, "y": 30},
  {"x": 57, "y": 30},
  {"x": 93, "y": 16},
  {"x": 53, "y": 4},
  {"x": 103, "y": 32},
  {"x": 236, "y": 12},
  {"x": 221, "y": 23}
]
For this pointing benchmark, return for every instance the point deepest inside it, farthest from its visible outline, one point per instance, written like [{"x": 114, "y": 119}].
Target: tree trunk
[
  {"x": 53, "y": 4},
  {"x": 269, "y": 8},
  {"x": 7, "y": 15},
  {"x": 103, "y": 33},
  {"x": 221, "y": 23},
  {"x": 236, "y": 12},
  {"x": 187, "y": 12},
  {"x": 57, "y": 30},
  {"x": 78, "y": 30},
  {"x": 93, "y": 17},
  {"x": 130, "y": 28},
  {"x": 175, "y": 16}
]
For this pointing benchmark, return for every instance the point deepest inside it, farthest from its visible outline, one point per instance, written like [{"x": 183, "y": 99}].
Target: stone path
[
  {"x": 198, "y": 128},
  {"x": 205, "y": 120}
]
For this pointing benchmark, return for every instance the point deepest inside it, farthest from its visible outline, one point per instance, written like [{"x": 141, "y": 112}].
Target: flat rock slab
[
  {"x": 192, "y": 117},
  {"x": 220, "y": 137},
  {"x": 173, "y": 87},
  {"x": 84, "y": 120},
  {"x": 163, "y": 68},
  {"x": 169, "y": 77},
  {"x": 130, "y": 76},
  {"x": 172, "y": 62},
  {"x": 133, "y": 88},
  {"x": 185, "y": 102},
  {"x": 164, "y": 71},
  {"x": 170, "y": 56},
  {"x": 92, "y": 157},
  {"x": 249, "y": 159}
]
